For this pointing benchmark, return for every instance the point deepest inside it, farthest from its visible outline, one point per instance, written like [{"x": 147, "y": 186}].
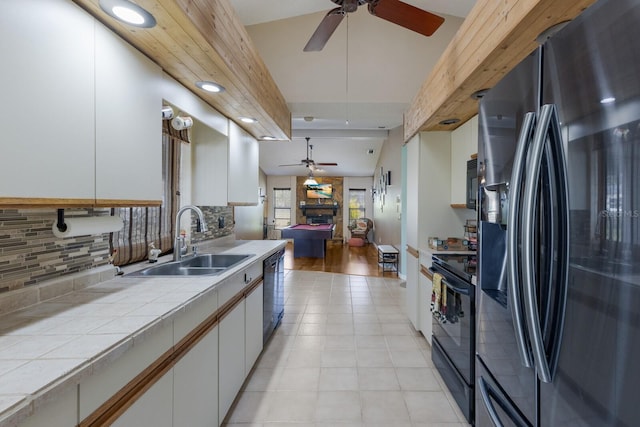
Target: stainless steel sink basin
[
  {"x": 214, "y": 260},
  {"x": 200, "y": 265}
]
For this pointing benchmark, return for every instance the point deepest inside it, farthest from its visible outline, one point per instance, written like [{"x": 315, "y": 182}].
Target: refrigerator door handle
[
  {"x": 513, "y": 232},
  {"x": 486, "y": 399},
  {"x": 548, "y": 128}
]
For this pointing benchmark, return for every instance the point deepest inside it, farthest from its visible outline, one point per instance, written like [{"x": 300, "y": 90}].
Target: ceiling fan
[
  {"x": 395, "y": 11},
  {"x": 309, "y": 162}
]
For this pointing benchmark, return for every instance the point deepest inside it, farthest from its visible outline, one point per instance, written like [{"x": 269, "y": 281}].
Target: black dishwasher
[{"x": 273, "y": 288}]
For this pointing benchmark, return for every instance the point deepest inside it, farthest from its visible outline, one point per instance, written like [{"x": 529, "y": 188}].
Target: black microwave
[{"x": 472, "y": 183}]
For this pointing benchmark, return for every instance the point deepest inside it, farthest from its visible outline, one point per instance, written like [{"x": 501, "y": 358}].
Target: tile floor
[{"x": 345, "y": 355}]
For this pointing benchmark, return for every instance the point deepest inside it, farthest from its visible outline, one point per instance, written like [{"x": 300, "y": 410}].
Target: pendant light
[{"x": 310, "y": 180}]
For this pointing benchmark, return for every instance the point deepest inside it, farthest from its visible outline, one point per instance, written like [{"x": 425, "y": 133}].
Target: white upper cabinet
[
  {"x": 464, "y": 143},
  {"x": 81, "y": 117},
  {"x": 128, "y": 123},
  {"x": 243, "y": 176},
  {"x": 47, "y": 113},
  {"x": 209, "y": 152}
]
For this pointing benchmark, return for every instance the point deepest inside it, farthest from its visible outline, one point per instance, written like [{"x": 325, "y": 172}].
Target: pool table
[{"x": 309, "y": 240}]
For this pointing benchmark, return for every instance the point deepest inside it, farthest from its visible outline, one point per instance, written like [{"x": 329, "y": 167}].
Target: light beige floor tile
[
  {"x": 340, "y": 342},
  {"x": 331, "y": 358},
  {"x": 304, "y": 379},
  {"x": 317, "y": 309},
  {"x": 340, "y": 318},
  {"x": 397, "y": 329},
  {"x": 293, "y": 406},
  {"x": 384, "y": 406},
  {"x": 373, "y": 358},
  {"x": 366, "y": 318},
  {"x": 312, "y": 329},
  {"x": 338, "y": 379},
  {"x": 252, "y": 407},
  {"x": 338, "y": 406},
  {"x": 314, "y": 318},
  {"x": 340, "y": 308},
  {"x": 378, "y": 379},
  {"x": 310, "y": 342},
  {"x": 417, "y": 379},
  {"x": 339, "y": 329},
  {"x": 263, "y": 379},
  {"x": 429, "y": 405},
  {"x": 368, "y": 329},
  {"x": 408, "y": 359},
  {"x": 397, "y": 342},
  {"x": 371, "y": 342}
]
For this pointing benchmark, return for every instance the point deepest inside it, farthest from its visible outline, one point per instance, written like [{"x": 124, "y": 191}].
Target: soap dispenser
[{"x": 153, "y": 252}]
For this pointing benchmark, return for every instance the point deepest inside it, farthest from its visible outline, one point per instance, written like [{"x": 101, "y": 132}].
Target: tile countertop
[{"x": 50, "y": 346}]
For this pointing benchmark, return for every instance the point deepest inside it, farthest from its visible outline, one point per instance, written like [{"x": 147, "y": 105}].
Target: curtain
[{"x": 146, "y": 225}]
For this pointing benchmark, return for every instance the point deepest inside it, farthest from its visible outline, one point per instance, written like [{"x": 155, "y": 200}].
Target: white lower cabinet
[
  {"x": 154, "y": 408},
  {"x": 231, "y": 367},
  {"x": 425, "y": 305},
  {"x": 195, "y": 385},
  {"x": 61, "y": 411},
  {"x": 413, "y": 291},
  {"x": 253, "y": 327}
]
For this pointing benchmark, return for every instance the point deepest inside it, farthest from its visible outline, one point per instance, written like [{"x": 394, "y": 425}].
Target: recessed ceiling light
[
  {"x": 210, "y": 86},
  {"x": 449, "y": 121},
  {"x": 248, "y": 120},
  {"x": 128, "y": 12},
  {"x": 479, "y": 94},
  {"x": 268, "y": 138},
  {"x": 607, "y": 100}
]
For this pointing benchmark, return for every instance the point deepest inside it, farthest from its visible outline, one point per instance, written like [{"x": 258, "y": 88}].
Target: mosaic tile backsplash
[
  {"x": 219, "y": 221},
  {"x": 31, "y": 254}
]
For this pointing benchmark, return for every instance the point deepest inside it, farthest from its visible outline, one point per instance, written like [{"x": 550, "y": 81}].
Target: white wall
[
  {"x": 280, "y": 182},
  {"x": 387, "y": 217}
]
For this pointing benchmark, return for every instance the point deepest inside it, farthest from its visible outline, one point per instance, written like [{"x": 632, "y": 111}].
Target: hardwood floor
[{"x": 362, "y": 261}]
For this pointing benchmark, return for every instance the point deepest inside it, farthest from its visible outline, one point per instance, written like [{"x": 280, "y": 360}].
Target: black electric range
[{"x": 462, "y": 265}]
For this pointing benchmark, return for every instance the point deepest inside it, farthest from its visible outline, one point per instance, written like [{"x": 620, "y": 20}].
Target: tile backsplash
[
  {"x": 31, "y": 254},
  {"x": 219, "y": 221}
]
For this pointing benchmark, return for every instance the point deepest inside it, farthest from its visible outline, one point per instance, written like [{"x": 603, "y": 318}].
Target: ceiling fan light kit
[
  {"x": 310, "y": 163},
  {"x": 395, "y": 11}
]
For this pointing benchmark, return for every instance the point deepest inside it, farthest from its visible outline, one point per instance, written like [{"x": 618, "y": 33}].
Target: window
[
  {"x": 281, "y": 207},
  {"x": 356, "y": 204}
]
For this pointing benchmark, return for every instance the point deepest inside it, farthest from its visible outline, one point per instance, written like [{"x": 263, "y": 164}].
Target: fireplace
[{"x": 320, "y": 219}]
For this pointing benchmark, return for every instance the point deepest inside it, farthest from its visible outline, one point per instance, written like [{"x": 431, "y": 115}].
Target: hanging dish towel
[{"x": 438, "y": 298}]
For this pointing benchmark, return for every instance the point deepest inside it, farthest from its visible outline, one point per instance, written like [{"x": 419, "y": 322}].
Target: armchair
[{"x": 361, "y": 228}]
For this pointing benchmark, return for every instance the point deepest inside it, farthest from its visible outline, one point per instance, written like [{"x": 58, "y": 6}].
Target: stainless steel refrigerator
[{"x": 558, "y": 335}]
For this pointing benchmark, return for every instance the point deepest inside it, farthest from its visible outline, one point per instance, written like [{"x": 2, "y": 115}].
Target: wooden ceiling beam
[
  {"x": 494, "y": 38},
  {"x": 204, "y": 40}
]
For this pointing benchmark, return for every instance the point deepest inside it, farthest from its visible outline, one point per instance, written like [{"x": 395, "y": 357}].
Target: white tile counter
[{"x": 48, "y": 347}]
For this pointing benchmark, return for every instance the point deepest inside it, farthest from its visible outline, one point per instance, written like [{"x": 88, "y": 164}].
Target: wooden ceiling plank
[
  {"x": 483, "y": 53},
  {"x": 218, "y": 23}
]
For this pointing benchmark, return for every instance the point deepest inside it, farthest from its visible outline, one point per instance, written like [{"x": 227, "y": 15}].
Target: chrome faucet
[{"x": 179, "y": 245}]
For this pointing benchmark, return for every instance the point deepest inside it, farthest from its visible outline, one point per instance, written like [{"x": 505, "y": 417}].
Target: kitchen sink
[
  {"x": 199, "y": 265},
  {"x": 214, "y": 260}
]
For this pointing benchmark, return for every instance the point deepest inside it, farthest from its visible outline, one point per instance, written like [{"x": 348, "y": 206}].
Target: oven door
[{"x": 454, "y": 324}]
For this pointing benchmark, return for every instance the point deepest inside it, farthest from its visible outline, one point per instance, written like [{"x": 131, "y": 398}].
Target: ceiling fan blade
[
  {"x": 324, "y": 31},
  {"x": 293, "y": 164},
  {"x": 406, "y": 16},
  {"x": 326, "y": 164}
]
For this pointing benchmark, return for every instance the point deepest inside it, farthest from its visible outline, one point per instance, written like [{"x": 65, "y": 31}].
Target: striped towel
[{"x": 438, "y": 298}]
